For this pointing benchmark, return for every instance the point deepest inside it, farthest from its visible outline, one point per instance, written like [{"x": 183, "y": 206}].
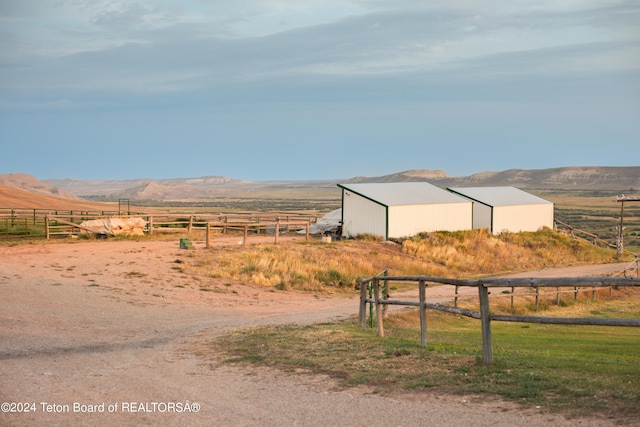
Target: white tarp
[
  {"x": 326, "y": 223},
  {"x": 114, "y": 226}
]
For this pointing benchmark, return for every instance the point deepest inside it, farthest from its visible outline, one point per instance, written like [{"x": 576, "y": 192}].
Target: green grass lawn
[{"x": 574, "y": 370}]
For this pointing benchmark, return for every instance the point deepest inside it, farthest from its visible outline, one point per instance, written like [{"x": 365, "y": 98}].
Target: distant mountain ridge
[
  {"x": 406, "y": 176},
  {"x": 182, "y": 189},
  {"x": 625, "y": 178},
  {"x": 595, "y": 178},
  {"x": 133, "y": 186},
  {"x": 568, "y": 178}
]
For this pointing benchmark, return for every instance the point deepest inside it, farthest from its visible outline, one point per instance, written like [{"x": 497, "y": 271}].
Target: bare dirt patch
[{"x": 116, "y": 323}]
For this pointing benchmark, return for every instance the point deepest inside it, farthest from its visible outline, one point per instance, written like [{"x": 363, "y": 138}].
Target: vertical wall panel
[
  {"x": 405, "y": 221},
  {"x": 481, "y": 215},
  {"x": 522, "y": 218},
  {"x": 363, "y": 216}
]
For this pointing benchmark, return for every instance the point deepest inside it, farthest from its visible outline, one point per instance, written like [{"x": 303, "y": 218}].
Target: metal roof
[
  {"x": 404, "y": 193},
  {"x": 500, "y": 196}
]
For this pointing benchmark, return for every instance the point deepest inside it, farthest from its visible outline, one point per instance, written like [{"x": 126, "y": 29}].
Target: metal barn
[
  {"x": 401, "y": 209},
  {"x": 507, "y": 209}
]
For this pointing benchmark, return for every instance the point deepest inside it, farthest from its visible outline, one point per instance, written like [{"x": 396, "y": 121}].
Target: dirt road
[{"x": 102, "y": 333}]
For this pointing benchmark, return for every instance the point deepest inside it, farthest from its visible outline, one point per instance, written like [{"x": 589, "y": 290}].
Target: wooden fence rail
[
  {"x": 590, "y": 237},
  {"x": 224, "y": 227},
  {"x": 31, "y": 223},
  {"x": 585, "y": 236},
  {"x": 55, "y": 225},
  {"x": 256, "y": 223},
  {"x": 67, "y": 226},
  {"x": 485, "y": 315},
  {"x": 47, "y": 223}
]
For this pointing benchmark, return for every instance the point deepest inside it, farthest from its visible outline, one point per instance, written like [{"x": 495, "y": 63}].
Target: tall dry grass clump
[
  {"x": 305, "y": 266},
  {"x": 340, "y": 265},
  {"x": 478, "y": 252},
  {"x": 301, "y": 268}
]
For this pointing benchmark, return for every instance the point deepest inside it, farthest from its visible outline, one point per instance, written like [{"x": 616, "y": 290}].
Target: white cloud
[{"x": 145, "y": 47}]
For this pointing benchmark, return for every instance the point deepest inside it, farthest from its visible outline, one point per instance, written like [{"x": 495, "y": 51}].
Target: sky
[{"x": 266, "y": 90}]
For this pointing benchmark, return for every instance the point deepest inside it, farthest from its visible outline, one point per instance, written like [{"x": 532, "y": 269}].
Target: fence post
[
  {"x": 385, "y": 293},
  {"x": 376, "y": 296},
  {"x": 485, "y": 319},
  {"x": 276, "y": 232},
  {"x": 512, "y": 292},
  {"x": 306, "y": 233},
  {"x": 244, "y": 237},
  {"x": 46, "y": 226},
  {"x": 423, "y": 315},
  {"x": 537, "y": 298},
  {"x": 363, "y": 305},
  {"x": 150, "y": 225},
  {"x": 208, "y": 236},
  {"x": 190, "y": 224},
  {"x": 455, "y": 298}
]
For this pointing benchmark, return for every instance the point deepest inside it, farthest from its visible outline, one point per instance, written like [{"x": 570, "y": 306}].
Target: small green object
[{"x": 185, "y": 244}]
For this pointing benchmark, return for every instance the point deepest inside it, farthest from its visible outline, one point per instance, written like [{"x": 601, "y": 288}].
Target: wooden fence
[
  {"x": 484, "y": 315},
  {"x": 628, "y": 270},
  {"x": 585, "y": 236},
  {"x": 31, "y": 223},
  {"x": 45, "y": 223},
  {"x": 263, "y": 222},
  {"x": 277, "y": 226},
  {"x": 56, "y": 225}
]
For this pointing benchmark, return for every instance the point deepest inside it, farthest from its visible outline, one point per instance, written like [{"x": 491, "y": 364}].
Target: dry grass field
[
  {"x": 138, "y": 320},
  {"x": 316, "y": 266}
]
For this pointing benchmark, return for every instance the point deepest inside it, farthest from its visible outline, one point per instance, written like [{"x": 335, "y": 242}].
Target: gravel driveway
[{"x": 103, "y": 333}]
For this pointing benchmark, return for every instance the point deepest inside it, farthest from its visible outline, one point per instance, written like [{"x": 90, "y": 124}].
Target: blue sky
[{"x": 315, "y": 89}]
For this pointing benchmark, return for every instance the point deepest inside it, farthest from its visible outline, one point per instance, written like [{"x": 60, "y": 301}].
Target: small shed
[
  {"x": 507, "y": 209},
  {"x": 401, "y": 209}
]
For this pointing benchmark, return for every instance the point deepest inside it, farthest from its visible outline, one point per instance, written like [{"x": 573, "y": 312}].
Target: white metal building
[
  {"x": 507, "y": 209},
  {"x": 401, "y": 209}
]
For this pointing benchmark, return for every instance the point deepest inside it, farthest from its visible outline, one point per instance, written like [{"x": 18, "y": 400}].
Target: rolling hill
[
  {"x": 32, "y": 184},
  {"x": 215, "y": 187},
  {"x": 16, "y": 198},
  {"x": 219, "y": 188}
]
